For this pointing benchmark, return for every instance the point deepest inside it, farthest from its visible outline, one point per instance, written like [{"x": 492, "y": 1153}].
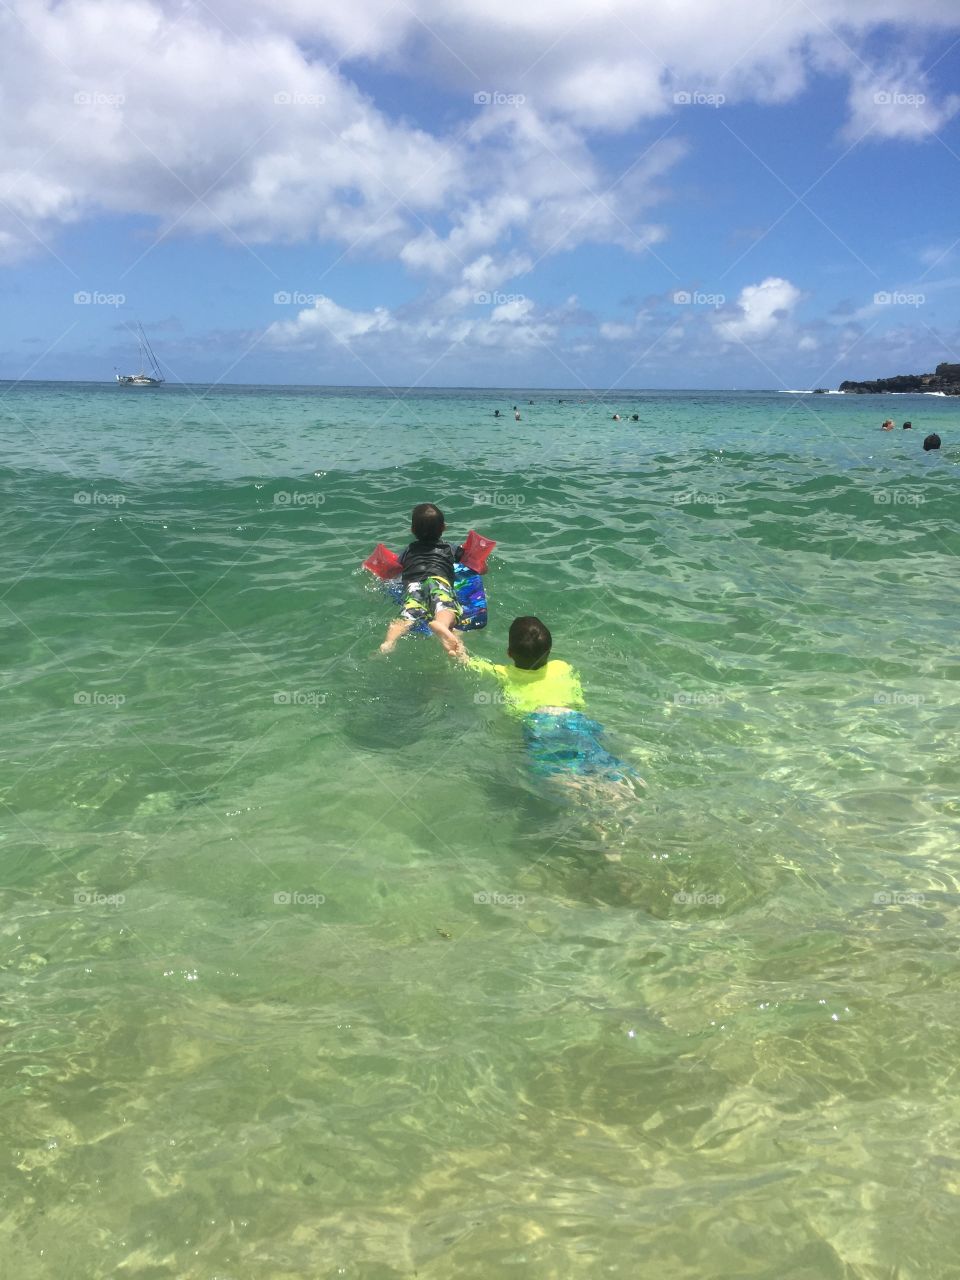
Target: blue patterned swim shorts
[{"x": 569, "y": 742}]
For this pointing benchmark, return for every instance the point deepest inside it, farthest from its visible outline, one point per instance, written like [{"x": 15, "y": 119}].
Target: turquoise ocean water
[{"x": 305, "y": 975}]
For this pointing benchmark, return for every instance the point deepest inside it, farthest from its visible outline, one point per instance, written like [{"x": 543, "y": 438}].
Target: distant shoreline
[{"x": 945, "y": 380}]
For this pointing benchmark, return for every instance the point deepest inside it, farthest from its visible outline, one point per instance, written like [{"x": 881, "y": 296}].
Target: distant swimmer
[
  {"x": 496, "y": 413},
  {"x": 932, "y": 441},
  {"x": 887, "y": 425},
  {"x": 516, "y": 415},
  {"x": 529, "y": 402},
  {"x": 635, "y": 418},
  {"x": 616, "y": 417},
  {"x": 908, "y": 426}
]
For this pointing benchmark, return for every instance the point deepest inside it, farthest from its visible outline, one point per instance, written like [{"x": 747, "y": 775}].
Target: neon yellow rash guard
[{"x": 555, "y": 684}]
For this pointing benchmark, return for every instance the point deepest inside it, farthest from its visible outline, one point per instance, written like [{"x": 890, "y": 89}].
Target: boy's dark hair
[
  {"x": 529, "y": 643},
  {"x": 932, "y": 442},
  {"x": 427, "y": 522}
]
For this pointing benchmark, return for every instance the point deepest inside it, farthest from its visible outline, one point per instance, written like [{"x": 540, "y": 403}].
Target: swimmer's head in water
[
  {"x": 529, "y": 643},
  {"x": 932, "y": 441},
  {"x": 427, "y": 522},
  {"x": 908, "y": 426}
]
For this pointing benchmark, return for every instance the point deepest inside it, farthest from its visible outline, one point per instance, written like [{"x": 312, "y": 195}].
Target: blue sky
[{"x": 683, "y": 195}]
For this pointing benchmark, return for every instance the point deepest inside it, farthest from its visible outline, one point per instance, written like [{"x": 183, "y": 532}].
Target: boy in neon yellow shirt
[{"x": 561, "y": 739}]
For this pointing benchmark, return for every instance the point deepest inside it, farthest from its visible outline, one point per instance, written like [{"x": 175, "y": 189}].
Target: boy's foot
[
  {"x": 446, "y": 637},
  {"x": 452, "y": 645},
  {"x": 388, "y": 646}
]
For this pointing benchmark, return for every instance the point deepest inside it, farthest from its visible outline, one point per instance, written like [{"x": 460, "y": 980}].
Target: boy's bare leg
[
  {"x": 442, "y": 628},
  {"x": 621, "y": 789},
  {"x": 399, "y": 627}
]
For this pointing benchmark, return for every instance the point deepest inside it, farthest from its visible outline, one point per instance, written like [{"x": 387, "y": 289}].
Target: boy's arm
[
  {"x": 476, "y": 664},
  {"x": 579, "y": 700},
  {"x": 484, "y": 666}
]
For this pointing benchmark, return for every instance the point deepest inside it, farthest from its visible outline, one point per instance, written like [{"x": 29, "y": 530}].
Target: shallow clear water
[{"x": 710, "y": 1034}]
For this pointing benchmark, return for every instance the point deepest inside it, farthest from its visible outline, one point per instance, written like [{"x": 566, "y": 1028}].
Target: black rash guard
[{"x": 429, "y": 560}]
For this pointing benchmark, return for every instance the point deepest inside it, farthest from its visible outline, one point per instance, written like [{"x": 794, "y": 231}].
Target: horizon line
[{"x": 359, "y": 386}]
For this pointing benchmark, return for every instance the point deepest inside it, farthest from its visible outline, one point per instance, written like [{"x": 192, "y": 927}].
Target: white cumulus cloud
[
  {"x": 758, "y": 311},
  {"x": 327, "y": 321},
  {"x": 897, "y": 101},
  {"x": 247, "y": 118}
]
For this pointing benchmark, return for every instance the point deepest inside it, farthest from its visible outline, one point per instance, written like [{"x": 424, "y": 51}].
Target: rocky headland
[{"x": 945, "y": 378}]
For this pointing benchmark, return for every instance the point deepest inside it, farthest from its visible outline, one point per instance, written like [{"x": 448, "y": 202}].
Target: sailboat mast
[
  {"x": 154, "y": 362},
  {"x": 155, "y": 377}
]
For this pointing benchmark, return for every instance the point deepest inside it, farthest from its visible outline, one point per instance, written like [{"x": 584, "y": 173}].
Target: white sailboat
[{"x": 155, "y": 377}]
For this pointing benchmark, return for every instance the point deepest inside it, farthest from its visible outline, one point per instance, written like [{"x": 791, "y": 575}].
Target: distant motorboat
[{"x": 155, "y": 377}]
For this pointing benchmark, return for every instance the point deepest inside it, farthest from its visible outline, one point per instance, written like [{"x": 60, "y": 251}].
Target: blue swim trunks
[{"x": 569, "y": 742}]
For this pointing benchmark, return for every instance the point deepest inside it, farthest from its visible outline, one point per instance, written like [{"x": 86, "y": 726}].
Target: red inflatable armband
[
  {"x": 476, "y": 550},
  {"x": 383, "y": 563}
]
